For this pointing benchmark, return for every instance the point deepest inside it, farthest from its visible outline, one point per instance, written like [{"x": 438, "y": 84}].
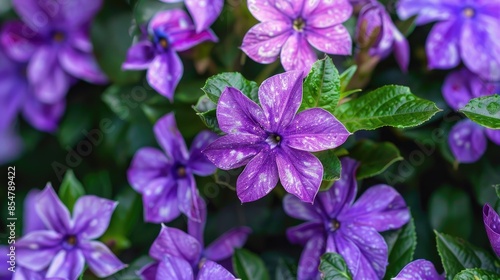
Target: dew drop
[{"x": 493, "y": 108}]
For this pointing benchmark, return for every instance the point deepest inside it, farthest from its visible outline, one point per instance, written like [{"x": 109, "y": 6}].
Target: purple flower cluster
[{"x": 335, "y": 223}]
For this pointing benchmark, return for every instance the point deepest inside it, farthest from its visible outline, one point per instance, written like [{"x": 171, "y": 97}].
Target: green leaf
[
  {"x": 144, "y": 10},
  {"x": 457, "y": 254},
  {"x": 71, "y": 189},
  {"x": 450, "y": 211},
  {"x": 286, "y": 270},
  {"x": 345, "y": 79},
  {"x": 386, "y": 106},
  {"x": 331, "y": 168},
  {"x": 476, "y": 274},
  {"x": 375, "y": 158},
  {"x": 322, "y": 86},
  {"x": 126, "y": 101},
  {"x": 215, "y": 85},
  {"x": 333, "y": 267},
  {"x": 210, "y": 120},
  {"x": 401, "y": 245},
  {"x": 249, "y": 266},
  {"x": 484, "y": 111}
]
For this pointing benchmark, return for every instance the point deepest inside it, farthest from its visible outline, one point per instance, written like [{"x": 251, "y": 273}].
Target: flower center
[
  {"x": 163, "y": 43},
  {"x": 468, "y": 12},
  {"x": 58, "y": 36},
  {"x": 334, "y": 225},
  {"x": 70, "y": 241},
  {"x": 273, "y": 140},
  {"x": 299, "y": 24},
  {"x": 181, "y": 171}
]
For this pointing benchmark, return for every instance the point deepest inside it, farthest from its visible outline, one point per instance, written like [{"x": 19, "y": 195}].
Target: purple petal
[
  {"x": 302, "y": 233},
  {"x": 457, "y": 88},
  {"x": 292, "y": 9},
  {"x": 494, "y": 135},
  {"x": 176, "y": 243},
  {"x": 149, "y": 271},
  {"x": 36, "y": 249},
  {"x": 91, "y": 216},
  {"x": 223, "y": 247},
  {"x": 300, "y": 173},
  {"x": 258, "y": 178},
  {"x": 160, "y": 201},
  {"x": 315, "y": 130},
  {"x": 419, "y": 270},
  {"x": 32, "y": 221},
  {"x": 380, "y": 207},
  {"x": 264, "y": 41},
  {"x": 309, "y": 259},
  {"x": 280, "y": 97},
  {"x": 442, "y": 46},
  {"x": 332, "y": 40},
  {"x": 81, "y": 65},
  {"x": 236, "y": 113},
  {"x": 170, "y": 139},
  {"x": 148, "y": 164},
  {"x": 467, "y": 141},
  {"x": 52, "y": 211},
  {"x": 265, "y": 10},
  {"x": 322, "y": 14},
  {"x": 67, "y": 264},
  {"x": 44, "y": 117},
  {"x": 341, "y": 195},
  {"x": 427, "y": 10},
  {"x": 492, "y": 226},
  {"x": 13, "y": 91},
  {"x": 184, "y": 41},
  {"x": 233, "y": 151},
  {"x": 297, "y": 54},
  {"x": 204, "y": 13},
  {"x": 50, "y": 82},
  {"x": 139, "y": 56},
  {"x": 401, "y": 49},
  {"x": 26, "y": 274},
  {"x": 298, "y": 209},
  {"x": 100, "y": 259},
  {"x": 174, "y": 268},
  {"x": 213, "y": 271},
  {"x": 18, "y": 41},
  {"x": 188, "y": 198},
  {"x": 165, "y": 72},
  {"x": 80, "y": 39},
  {"x": 11, "y": 145},
  {"x": 196, "y": 228},
  {"x": 198, "y": 162}
]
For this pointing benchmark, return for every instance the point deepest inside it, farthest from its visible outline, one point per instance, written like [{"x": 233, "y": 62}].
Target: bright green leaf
[
  {"x": 375, "y": 158},
  {"x": 333, "y": 267},
  {"x": 322, "y": 86},
  {"x": 249, "y": 266},
  {"x": 71, "y": 189},
  {"x": 215, "y": 85},
  {"x": 476, "y": 274},
  {"x": 484, "y": 111},
  {"x": 401, "y": 245},
  {"x": 386, "y": 106}
]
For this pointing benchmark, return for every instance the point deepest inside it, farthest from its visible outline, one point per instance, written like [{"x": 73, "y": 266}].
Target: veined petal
[
  {"x": 52, "y": 211},
  {"x": 380, "y": 207},
  {"x": 165, "y": 72},
  {"x": 223, "y": 247},
  {"x": 467, "y": 141},
  {"x": 91, "y": 216},
  {"x": 302, "y": 233},
  {"x": 160, "y": 201},
  {"x": 100, "y": 259},
  {"x": 198, "y": 162},
  {"x": 494, "y": 135},
  {"x": 197, "y": 228},
  {"x": 315, "y": 130},
  {"x": 300, "y": 173},
  {"x": 233, "y": 151},
  {"x": 442, "y": 46},
  {"x": 213, "y": 271},
  {"x": 170, "y": 139},
  {"x": 183, "y": 41},
  {"x": 349, "y": 251},
  {"x": 188, "y": 198},
  {"x": 309, "y": 259},
  {"x": 265, "y": 10},
  {"x": 427, "y": 10},
  {"x": 321, "y": 13},
  {"x": 298, "y": 209},
  {"x": 264, "y": 41},
  {"x": 280, "y": 97},
  {"x": 176, "y": 243},
  {"x": 297, "y": 54},
  {"x": 148, "y": 164},
  {"x": 67, "y": 264},
  {"x": 172, "y": 267},
  {"x": 258, "y": 178},
  {"x": 492, "y": 225},
  {"x": 36, "y": 249},
  {"x": 19, "y": 41},
  {"x": 43, "y": 116},
  {"x": 236, "y": 113},
  {"x": 204, "y": 13},
  {"x": 419, "y": 270},
  {"x": 331, "y": 40},
  {"x": 139, "y": 56}
]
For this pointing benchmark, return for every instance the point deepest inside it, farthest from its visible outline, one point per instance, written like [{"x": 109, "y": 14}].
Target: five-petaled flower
[
  {"x": 293, "y": 28},
  {"x": 170, "y": 32},
  {"x": 203, "y": 12},
  {"x": 273, "y": 141},
  {"x": 54, "y": 42},
  {"x": 166, "y": 183},
  {"x": 492, "y": 225},
  {"x": 335, "y": 223},
  {"x": 419, "y": 270},
  {"x": 67, "y": 243},
  {"x": 467, "y": 31}
]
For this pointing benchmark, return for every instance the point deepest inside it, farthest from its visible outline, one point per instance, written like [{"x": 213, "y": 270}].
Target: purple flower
[
  {"x": 274, "y": 141},
  {"x": 204, "y": 12},
  {"x": 67, "y": 243},
  {"x": 336, "y": 224},
  {"x": 16, "y": 95},
  {"x": 170, "y": 32},
  {"x": 419, "y": 270},
  {"x": 374, "y": 16},
  {"x": 166, "y": 178},
  {"x": 492, "y": 226},
  {"x": 179, "y": 255},
  {"x": 11, "y": 145},
  {"x": 294, "y": 28},
  {"x": 468, "y": 140},
  {"x": 55, "y": 43},
  {"x": 466, "y": 30}
]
